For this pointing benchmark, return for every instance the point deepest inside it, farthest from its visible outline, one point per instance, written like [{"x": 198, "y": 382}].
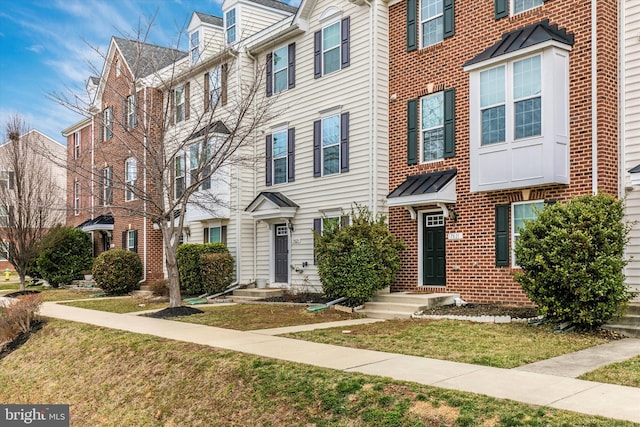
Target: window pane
[
  {"x": 231, "y": 18},
  {"x": 280, "y": 157},
  {"x": 280, "y": 144},
  {"x": 432, "y": 110},
  {"x": 280, "y": 170},
  {"x": 525, "y": 212},
  {"x": 527, "y": 78},
  {"x": 331, "y": 36},
  {"x": 280, "y": 59},
  {"x": 433, "y": 144},
  {"x": 493, "y": 125},
  {"x": 331, "y": 48},
  {"x": 492, "y": 86},
  {"x": 331, "y": 159},
  {"x": 214, "y": 235},
  {"x": 331, "y": 60},
  {"x": 528, "y": 120},
  {"x": 522, "y": 5},
  {"x": 280, "y": 81},
  {"x": 430, "y": 8},
  {"x": 432, "y": 31}
]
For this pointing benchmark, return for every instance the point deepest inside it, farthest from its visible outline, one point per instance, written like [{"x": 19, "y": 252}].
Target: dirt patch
[
  {"x": 20, "y": 293},
  {"x": 175, "y": 312},
  {"x": 299, "y": 298},
  {"x": 484, "y": 310},
  {"x": 22, "y": 338}
]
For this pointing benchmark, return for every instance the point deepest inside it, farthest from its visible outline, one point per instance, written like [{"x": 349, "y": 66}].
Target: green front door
[{"x": 433, "y": 250}]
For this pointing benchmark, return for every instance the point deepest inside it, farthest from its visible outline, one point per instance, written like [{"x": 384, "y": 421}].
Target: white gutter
[
  {"x": 255, "y": 156},
  {"x": 373, "y": 163},
  {"x": 594, "y": 98},
  {"x": 622, "y": 148},
  {"x": 144, "y": 186}
]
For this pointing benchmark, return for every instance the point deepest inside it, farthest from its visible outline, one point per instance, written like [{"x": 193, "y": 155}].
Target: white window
[
  {"x": 107, "y": 186},
  {"x": 76, "y": 198},
  {"x": 230, "y": 26},
  {"x": 131, "y": 112},
  {"x": 131, "y": 240},
  {"x": 215, "y": 234},
  {"x": 431, "y": 22},
  {"x": 4, "y": 250},
  {"x": 194, "y": 43},
  {"x": 194, "y": 163},
  {"x": 432, "y": 126},
  {"x": 180, "y": 104},
  {"x": 331, "y": 145},
  {"x": 521, "y": 213},
  {"x": 280, "y": 69},
  {"x": 331, "y": 48},
  {"x": 279, "y": 158},
  {"x": 76, "y": 145},
  {"x": 511, "y": 101},
  {"x": 215, "y": 86},
  {"x": 7, "y": 179},
  {"x": 4, "y": 218},
  {"x": 179, "y": 176},
  {"x": 131, "y": 175},
  {"x": 107, "y": 123},
  {"x": 522, "y": 5}
]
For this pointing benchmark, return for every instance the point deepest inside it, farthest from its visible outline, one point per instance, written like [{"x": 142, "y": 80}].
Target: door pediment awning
[
  {"x": 99, "y": 223},
  {"x": 270, "y": 205},
  {"x": 425, "y": 189}
]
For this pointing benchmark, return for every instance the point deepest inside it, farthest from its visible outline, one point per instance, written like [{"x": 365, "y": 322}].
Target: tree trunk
[
  {"x": 22, "y": 282},
  {"x": 171, "y": 262}
]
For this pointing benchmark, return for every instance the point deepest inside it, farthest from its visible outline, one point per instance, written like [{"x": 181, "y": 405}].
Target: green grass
[
  {"x": 49, "y": 294},
  {"x": 246, "y": 317},
  {"x": 498, "y": 345},
  {"x": 118, "y": 305},
  {"x": 111, "y": 378},
  {"x": 623, "y": 373}
]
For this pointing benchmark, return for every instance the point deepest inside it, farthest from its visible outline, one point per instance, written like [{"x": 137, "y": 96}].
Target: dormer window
[
  {"x": 230, "y": 26},
  {"x": 194, "y": 47}
]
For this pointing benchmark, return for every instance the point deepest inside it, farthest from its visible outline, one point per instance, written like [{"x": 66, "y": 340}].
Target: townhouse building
[
  {"x": 39, "y": 151},
  {"x": 497, "y": 108},
  {"x": 630, "y": 134}
]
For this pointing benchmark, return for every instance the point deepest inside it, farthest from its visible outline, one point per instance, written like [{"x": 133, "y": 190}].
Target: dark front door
[
  {"x": 281, "y": 253},
  {"x": 433, "y": 251}
]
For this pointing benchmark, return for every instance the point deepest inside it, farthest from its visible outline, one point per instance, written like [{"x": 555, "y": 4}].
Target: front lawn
[
  {"x": 247, "y": 317},
  {"x": 118, "y": 304},
  {"x": 49, "y": 294},
  {"x": 499, "y": 345},
  {"x": 115, "y": 378},
  {"x": 623, "y": 373}
]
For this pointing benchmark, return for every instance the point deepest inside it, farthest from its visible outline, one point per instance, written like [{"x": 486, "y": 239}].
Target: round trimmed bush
[
  {"x": 217, "y": 271},
  {"x": 572, "y": 260},
  {"x": 188, "y": 256},
  {"x": 117, "y": 271},
  {"x": 65, "y": 252}
]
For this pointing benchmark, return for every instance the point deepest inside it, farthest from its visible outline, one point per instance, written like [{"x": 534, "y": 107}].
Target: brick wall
[{"x": 470, "y": 262}]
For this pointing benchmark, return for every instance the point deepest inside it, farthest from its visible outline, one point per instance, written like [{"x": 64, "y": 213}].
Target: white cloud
[{"x": 36, "y": 48}]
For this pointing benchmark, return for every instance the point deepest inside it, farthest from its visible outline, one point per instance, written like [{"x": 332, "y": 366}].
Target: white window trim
[
  {"x": 76, "y": 198},
  {"x": 513, "y": 234},
  {"x": 285, "y": 69},
  {"x": 107, "y": 128},
  {"x": 512, "y": 8},
  {"x": 194, "y": 49},
  {"x": 131, "y": 111},
  {"x": 215, "y": 85},
  {"x": 420, "y": 34},
  {"x": 4, "y": 250},
  {"x": 236, "y": 25},
  {"x": 180, "y": 103},
  {"x": 107, "y": 178},
  {"x": 322, "y": 146},
  {"x": 284, "y": 130},
  {"x": 322, "y": 46},
  {"x": 130, "y": 183},
  {"x": 176, "y": 176},
  {"x": 131, "y": 234},
  {"x": 76, "y": 144},
  {"x": 421, "y": 145}
]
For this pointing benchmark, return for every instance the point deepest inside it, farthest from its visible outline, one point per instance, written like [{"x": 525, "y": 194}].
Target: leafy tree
[
  {"x": 572, "y": 257},
  {"x": 356, "y": 260},
  {"x": 64, "y": 254}
]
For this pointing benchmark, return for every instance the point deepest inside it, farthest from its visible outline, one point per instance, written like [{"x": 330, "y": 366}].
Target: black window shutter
[
  {"x": 187, "y": 100},
  {"x": 449, "y": 123},
  {"x": 207, "y": 95},
  {"x": 449, "y": 25},
  {"x": 268, "y": 164},
  {"x": 344, "y": 142},
  {"x": 344, "y": 221},
  {"x": 223, "y": 234},
  {"x": 291, "y": 155},
  {"x": 172, "y": 106},
  {"x": 124, "y": 239},
  {"x": 135, "y": 241},
  {"x": 101, "y": 127},
  {"x": 501, "y": 8},
  {"x": 317, "y": 227},
  {"x": 317, "y": 162},
  {"x": 224, "y": 74},
  {"x": 124, "y": 114},
  {"x": 269, "y": 74},
  {"x": 317, "y": 54},
  {"x": 12, "y": 180},
  {"x": 206, "y": 235},
  {"x": 412, "y": 132},
  {"x": 101, "y": 188},
  {"x": 292, "y": 66},
  {"x": 502, "y": 235},
  {"x": 134, "y": 116},
  {"x": 344, "y": 51},
  {"x": 412, "y": 26}
]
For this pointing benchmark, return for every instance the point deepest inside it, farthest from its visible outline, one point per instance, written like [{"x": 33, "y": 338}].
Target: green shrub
[
  {"x": 64, "y": 253},
  {"x": 188, "y": 255},
  {"x": 217, "y": 271},
  {"x": 117, "y": 271},
  {"x": 356, "y": 260},
  {"x": 572, "y": 260}
]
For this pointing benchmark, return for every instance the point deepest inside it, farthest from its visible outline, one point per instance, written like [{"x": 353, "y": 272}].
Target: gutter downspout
[
  {"x": 255, "y": 156},
  {"x": 622, "y": 147},
  {"x": 373, "y": 157},
  {"x": 144, "y": 188},
  {"x": 594, "y": 98}
]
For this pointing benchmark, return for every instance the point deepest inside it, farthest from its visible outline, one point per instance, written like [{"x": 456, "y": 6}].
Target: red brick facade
[
  {"x": 470, "y": 262},
  {"x": 99, "y": 153}
]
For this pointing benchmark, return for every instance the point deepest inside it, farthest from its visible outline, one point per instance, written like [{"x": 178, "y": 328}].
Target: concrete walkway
[{"x": 538, "y": 388}]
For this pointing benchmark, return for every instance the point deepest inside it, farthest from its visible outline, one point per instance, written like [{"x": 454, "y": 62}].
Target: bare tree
[
  {"x": 31, "y": 201},
  {"x": 169, "y": 113}
]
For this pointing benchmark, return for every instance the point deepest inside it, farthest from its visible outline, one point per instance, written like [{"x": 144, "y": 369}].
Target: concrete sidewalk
[{"x": 536, "y": 388}]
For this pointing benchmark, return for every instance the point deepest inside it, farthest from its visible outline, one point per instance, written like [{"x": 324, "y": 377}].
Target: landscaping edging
[{"x": 477, "y": 319}]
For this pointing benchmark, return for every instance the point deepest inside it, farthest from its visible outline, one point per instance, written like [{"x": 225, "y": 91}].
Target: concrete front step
[
  {"x": 254, "y": 294},
  {"x": 401, "y": 305},
  {"x": 629, "y": 323}
]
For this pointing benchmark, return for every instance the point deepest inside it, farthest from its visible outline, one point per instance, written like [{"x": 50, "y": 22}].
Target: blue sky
[{"x": 47, "y": 46}]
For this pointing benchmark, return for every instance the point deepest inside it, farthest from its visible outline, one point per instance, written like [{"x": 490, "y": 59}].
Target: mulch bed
[
  {"x": 22, "y": 338},
  {"x": 20, "y": 293},
  {"x": 301, "y": 298},
  {"x": 519, "y": 312},
  {"x": 175, "y": 312}
]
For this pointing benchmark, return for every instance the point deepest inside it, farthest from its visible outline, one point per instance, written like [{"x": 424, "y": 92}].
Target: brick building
[{"x": 497, "y": 107}]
